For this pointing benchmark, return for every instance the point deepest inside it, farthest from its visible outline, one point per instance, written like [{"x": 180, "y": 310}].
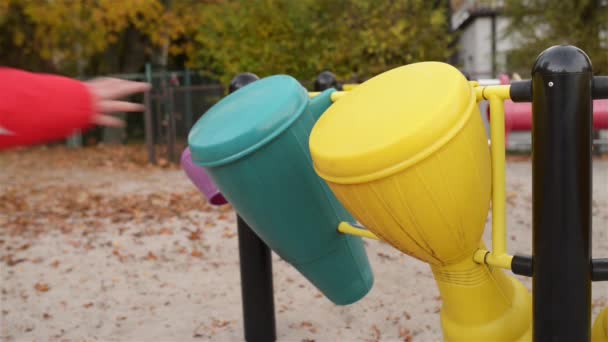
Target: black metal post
[
  {"x": 148, "y": 120},
  {"x": 256, "y": 286},
  {"x": 561, "y": 175},
  {"x": 172, "y": 155},
  {"x": 256, "y": 268},
  {"x": 326, "y": 80},
  {"x": 149, "y": 129},
  {"x": 188, "y": 99}
]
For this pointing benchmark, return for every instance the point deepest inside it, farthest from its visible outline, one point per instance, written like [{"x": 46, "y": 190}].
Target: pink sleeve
[{"x": 39, "y": 108}]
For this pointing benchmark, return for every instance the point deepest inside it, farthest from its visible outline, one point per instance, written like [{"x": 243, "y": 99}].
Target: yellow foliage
[
  {"x": 75, "y": 31},
  {"x": 353, "y": 38}
]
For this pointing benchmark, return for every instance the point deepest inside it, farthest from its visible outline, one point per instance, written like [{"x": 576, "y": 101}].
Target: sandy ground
[{"x": 107, "y": 252}]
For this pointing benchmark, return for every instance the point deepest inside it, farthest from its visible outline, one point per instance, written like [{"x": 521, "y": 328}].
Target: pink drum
[{"x": 199, "y": 177}]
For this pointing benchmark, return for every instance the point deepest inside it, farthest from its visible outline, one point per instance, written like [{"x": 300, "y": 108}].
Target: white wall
[{"x": 475, "y": 47}]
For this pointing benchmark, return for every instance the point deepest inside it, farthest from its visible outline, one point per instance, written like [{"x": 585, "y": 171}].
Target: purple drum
[{"x": 199, "y": 177}]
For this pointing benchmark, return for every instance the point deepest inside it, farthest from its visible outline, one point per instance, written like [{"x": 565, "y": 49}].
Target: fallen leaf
[
  {"x": 163, "y": 162},
  {"x": 220, "y": 324},
  {"x": 200, "y": 331},
  {"x": 12, "y": 262},
  {"x": 228, "y": 233},
  {"x": 384, "y": 256},
  {"x": 376, "y": 333},
  {"x": 195, "y": 235},
  {"x": 41, "y": 287},
  {"x": 151, "y": 256},
  {"x": 165, "y": 231},
  {"x": 405, "y": 335},
  {"x": 511, "y": 198}
]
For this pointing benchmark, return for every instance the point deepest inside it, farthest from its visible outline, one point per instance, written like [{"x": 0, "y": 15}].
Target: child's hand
[{"x": 106, "y": 92}]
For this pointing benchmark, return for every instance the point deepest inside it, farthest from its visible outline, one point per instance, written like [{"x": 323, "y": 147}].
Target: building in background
[
  {"x": 482, "y": 48},
  {"x": 482, "y": 51}
]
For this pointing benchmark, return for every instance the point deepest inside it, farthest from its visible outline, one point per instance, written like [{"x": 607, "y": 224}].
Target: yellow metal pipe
[
  {"x": 497, "y": 132},
  {"x": 484, "y": 93},
  {"x": 334, "y": 96},
  {"x": 483, "y": 256},
  {"x": 498, "y": 257},
  {"x": 347, "y": 228}
]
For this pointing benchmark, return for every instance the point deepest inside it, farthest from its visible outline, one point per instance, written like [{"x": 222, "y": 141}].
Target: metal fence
[
  {"x": 171, "y": 111},
  {"x": 179, "y": 98},
  {"x": 175, "y": 102}
]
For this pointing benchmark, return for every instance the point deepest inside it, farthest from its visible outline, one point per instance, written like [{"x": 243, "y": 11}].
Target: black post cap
[
  {"x": 241, "y": 80},
  {"x": 326, "y": 80},
  {"x": 562, "y": 59}
]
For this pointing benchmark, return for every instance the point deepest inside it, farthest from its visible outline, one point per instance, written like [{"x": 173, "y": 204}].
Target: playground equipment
[
  {"x": 255, "y": 259},
  {"x": 238, "y": 142},
  {"x": 405, "y": 153}
]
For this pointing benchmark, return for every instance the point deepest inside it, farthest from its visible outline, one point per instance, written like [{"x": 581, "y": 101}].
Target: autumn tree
[
  {"x": 354, "y": 38},
  {"x": 79, "y": 37},
  {"x": 538, "y": 24}
]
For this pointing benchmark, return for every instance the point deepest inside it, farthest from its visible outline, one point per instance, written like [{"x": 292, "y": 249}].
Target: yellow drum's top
[{"x": 391, "y": 122}]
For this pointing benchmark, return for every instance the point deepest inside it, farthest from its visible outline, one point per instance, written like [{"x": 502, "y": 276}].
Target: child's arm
[{"x": 38, "y": 108}]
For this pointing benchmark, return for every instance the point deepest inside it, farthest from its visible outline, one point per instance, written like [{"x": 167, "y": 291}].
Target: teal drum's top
[{"x": 245, "y": 120}]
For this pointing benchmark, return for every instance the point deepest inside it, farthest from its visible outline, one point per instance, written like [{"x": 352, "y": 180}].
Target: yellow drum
[
  {"x": 600, "y": 327},
  {"x": 406, "y": 153}
]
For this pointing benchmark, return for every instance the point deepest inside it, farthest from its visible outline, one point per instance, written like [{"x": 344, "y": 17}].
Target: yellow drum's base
[
  {"x": 483, "y": 304},
  {"x": 599, "y": 332}
]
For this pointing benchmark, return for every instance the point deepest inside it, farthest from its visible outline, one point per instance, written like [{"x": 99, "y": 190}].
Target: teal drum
[{"x": 254, "y": 145}]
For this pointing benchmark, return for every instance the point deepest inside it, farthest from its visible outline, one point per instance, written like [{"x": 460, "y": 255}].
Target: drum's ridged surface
[{"x": 434, "y": 210}]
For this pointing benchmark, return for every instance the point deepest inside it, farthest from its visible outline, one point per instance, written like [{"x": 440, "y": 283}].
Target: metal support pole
[
  {"x": 172, "y": 154},
  {"x": 188, "y": 99},
  {"x": 148, "y": 121},
  {"x": 256, "y": 268},
  {"x": 160, "y": 130},
  {"x": 561, "y": 191},
  {"x": 256, "y": 286},
  {"x": 149, "y": 129}
]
